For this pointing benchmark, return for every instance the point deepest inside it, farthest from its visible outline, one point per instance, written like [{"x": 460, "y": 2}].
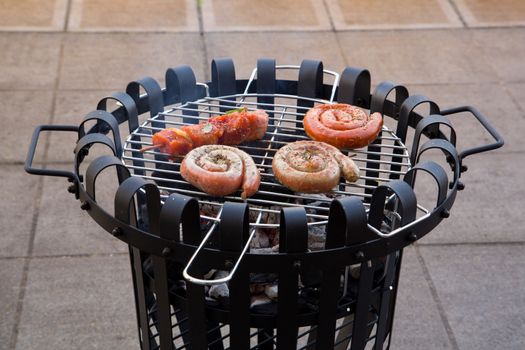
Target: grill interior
[{"x": 284, "y": 128}]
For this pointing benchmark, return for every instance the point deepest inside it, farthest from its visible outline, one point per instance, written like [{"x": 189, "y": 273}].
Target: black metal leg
[
  {"x": 386, "y": 304},
  {"x": 263, "y": 337},
  {"x": 214, "y": 336},
  {"x": 360, "y": 329},
  {"x": 140, "y": 298}
]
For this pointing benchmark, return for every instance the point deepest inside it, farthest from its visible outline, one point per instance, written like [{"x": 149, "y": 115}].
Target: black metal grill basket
[{"x": 281, "y": 269}]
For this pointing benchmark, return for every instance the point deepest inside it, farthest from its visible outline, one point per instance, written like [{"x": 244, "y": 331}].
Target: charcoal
[
  {"x": 262, "y": 251},
  {"x": 261, "y": 278},
  {"x": 219, "y": 290},
  {"x": 316, "y": 237},
  {"x": 260, "y": 239},
  {"x": 271, "y": 291},
  {"x": 259, "y": 299}
]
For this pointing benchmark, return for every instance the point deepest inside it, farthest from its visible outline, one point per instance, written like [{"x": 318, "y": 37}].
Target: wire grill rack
[{"x": 285, "y": 126}]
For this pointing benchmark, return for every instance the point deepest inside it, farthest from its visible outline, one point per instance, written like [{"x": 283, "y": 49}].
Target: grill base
[{"x": 263, "y": 330}]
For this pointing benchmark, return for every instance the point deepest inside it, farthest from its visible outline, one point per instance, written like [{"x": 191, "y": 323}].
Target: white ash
[
  {"x": 259, "y": 299},
  {"x": 264, "y": 238},
  {"x": 260, "y": 239},
  {"x": 209, "y": 209},
  {"x": 209, "y": 274},
  {"x": 262, "y": 251},
  {"x": 271, "y": 291},
  {"x": 323, "y": 201},
  {"x": 272, "y": 218},
  {"x": 219, "y": 290},
  {"x": 316, "y": 237}
]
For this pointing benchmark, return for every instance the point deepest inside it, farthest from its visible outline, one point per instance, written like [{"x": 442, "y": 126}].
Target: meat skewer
[
  {"x": 312, "y": 167},
  {"x": 232, "y": 128},
  {"x": 220, "y": 170},
  {"x": 342, "y": 125}
]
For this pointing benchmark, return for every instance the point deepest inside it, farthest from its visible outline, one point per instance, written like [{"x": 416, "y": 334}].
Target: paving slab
[
  {"x": 417, "y": 322},
  {"x": 29, "y": 15},
  {"x": 286, "y": 48},
  {"x": 422, "y": 56},
  {"x": 10, "y": 275},
  {"x": 70, "y": 109},
  {"x": 64, "y": 229},
  {"x": 271, "y": 15},
  {"x": 517, "y": 91},
  {"x": 29, "y": 60},
  {"x": 479, "y": 287},
  {"x": 492, "y": 13},
  {"x": 504, "y": 49},
  {"x": 20, "y": 192},
  {"x": 377, "y": 14},
  {"x": 78, "y": 303},
  {"x": 489, "y": 208},
  {"x": 494, "y": 101},
  {"x": 21, "y": 112},
  {"x": 111, "y": 61},
  {"x": 120, "y": 15}
]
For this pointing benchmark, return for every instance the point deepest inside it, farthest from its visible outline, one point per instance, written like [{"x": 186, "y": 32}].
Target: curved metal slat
[
  {"x": 293, "y": 239},
  {"x": 378, "y": 103},
  {"x": 97, "y": 166},
  {"x": 234, "y": 232},
  {"x": 354, "y": 87},
  {"x": 181, "y": 87},
  {"x": 266, "y": 84},
  {"x": 431, "y": 122},
  {"x": 179, "y": 210},
  {"x": 310, "y": 82},
  {"x": 448, "y": 149},
  {"x": 84, "y": 143},
  {"x": 111, "y": 123},
  {"x": 154, "y": 100},
  {"x": 130, "y": 112},
  {"x": 437, "y": 172},
  {"x": 223, "y": 80},
  {"x": 405, "y": 199}
]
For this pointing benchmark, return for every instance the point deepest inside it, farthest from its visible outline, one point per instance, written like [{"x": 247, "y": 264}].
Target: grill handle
[
  {"x": 486, "y": 125},
  {"x": 32, "y": 149},
  {"x": 226, "y": 279}
]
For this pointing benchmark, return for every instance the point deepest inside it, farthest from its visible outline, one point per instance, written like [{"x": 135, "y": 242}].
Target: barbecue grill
[{"x": 183, "y": 243}]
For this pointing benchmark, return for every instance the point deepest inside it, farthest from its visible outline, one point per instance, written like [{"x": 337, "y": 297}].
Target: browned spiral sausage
[
  {"x": 312, "y": 167},
  {"x": 221, "y": 170},
  {"x": 342, "y": 125}
]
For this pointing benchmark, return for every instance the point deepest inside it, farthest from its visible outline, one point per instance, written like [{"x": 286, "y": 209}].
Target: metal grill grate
[{"x": 284, "y": 128}]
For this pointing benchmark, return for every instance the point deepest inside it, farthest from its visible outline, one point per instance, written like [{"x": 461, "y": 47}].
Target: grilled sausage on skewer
[{"x": 231, "y": 128}]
